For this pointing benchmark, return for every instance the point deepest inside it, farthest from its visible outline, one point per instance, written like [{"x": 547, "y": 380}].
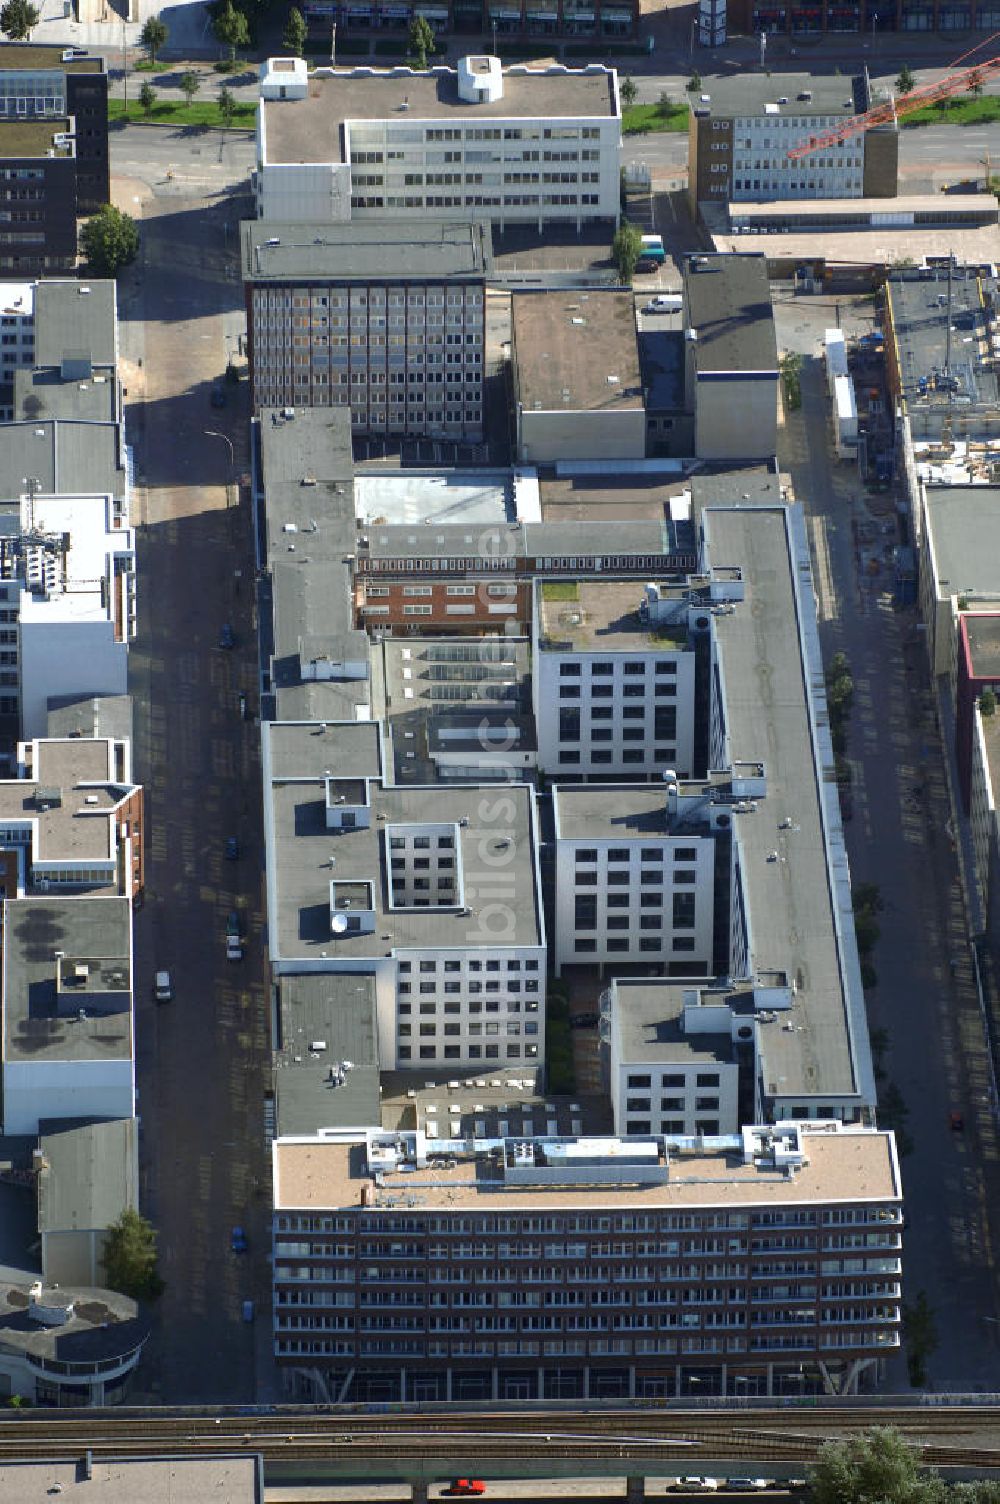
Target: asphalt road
[
  {"x": 202, "y": 1060},
  {"x": 898, "y": 838}
]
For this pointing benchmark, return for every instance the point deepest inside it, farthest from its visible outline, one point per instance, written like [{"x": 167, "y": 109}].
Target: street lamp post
[{"x": 213, "y": 433}]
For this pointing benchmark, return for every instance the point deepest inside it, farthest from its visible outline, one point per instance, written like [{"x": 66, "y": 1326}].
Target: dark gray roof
[
  {"x": 737, "y": 486},
  {"x": 336, "y": 1012},
  {"x": 83, "y": 929},
  {"x": 919, "y": 300},
  {"x": 747, "y": 93},
  {"x": 661, "y": 357},
  {"x": 728, "y": 305},
  {"x": 103, "y": 1324},
  {"x": 65, "y": 456},
  {"x": 72, "y": 318},
  {"x": 91, "y": 1175},
  {"x": 363, "y": 251},
  {"x": 91, "y": 715},
  {"x": 47, "y": 394},
  {"x": 648, "y": 1018},
  {"x": 963, "y": 528}
]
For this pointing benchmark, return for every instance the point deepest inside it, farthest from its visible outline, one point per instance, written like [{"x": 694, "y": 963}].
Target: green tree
[
  {"x": 110, "y": 239},
  {"x": 153, "y": 36},
  {"x": 18, "y": 20},
  {"x": 626, "y": 248},
  {"x": 665, "y": 105},
  {"x": 694, "y": 82},
  {"x": 905, "y": 80},
  {"x": 230, "y": 29},
  {"x": 293, "y": 38},
  {"x": 878, "y": 1467},
  {"x": 422, "y": 43},
  {"x": 227, "y": 106},
  {"x": 921, "y": 1338},
  {"x": 987, "y": 703},
  {"x": 628, "y": 92},
  {"x": 976, "y": 83},
  {"x": 190, "y": 84},
  {"x": 147, "y": 98},
  {"x": 129, "y": 1257}
]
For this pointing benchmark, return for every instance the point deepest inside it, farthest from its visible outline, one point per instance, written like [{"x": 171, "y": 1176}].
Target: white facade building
[
  {"x": 612, "y": 685},
  {"x": 476, "y": 142}
]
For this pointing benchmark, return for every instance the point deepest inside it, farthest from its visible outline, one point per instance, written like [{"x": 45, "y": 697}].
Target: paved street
[
  {"x": 899, "y": 839},
  {"x": 201, "y": 1059}
]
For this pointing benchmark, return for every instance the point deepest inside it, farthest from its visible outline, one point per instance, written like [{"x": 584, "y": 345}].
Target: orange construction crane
[{"x": 886, "y": 114}]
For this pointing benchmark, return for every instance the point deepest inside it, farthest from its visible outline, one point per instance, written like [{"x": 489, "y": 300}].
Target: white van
[{"x": 163, "y": 989}]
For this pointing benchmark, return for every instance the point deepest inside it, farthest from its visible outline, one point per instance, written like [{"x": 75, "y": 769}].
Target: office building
[
  {"x": 59, "y": 350},
  {"x": 410, "y": 1265},
  {"x": 68, "y": 1048},
  {"x": 797, "y": 18},
  {"x": 52, "y": 83},
  {"x": 433, "y": 891},
  {"x": 671, "y": 1057},
  {"x": 38, "y": 202},
  {"x": 388, "y": 320},
  {"x": 742, "y": 128},
  {"x": 959, "y": 534},
  {"x": 481, "y": 142},
  {"x": 575, "y": 371},
  {"x": 731, "y": 357},
  {"x": 507, "y": 18},
  {"x": 613, "y": 682}
]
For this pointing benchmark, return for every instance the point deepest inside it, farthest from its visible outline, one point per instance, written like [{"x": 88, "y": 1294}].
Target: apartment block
[
  {"x": 671, "y": 1058},
  {"x": 387, "y": 320},
  {"x": 415, "y": 1267},
  {"x": 433, "y": 891},
  {"x": 740, "y": 134},
  {"x": 730, "y": 357},
  {"x": 613, "y": 681},
  {"x": 477, "y": 141},
  {"x": 38, "y": 196},
  {"x": 51, "y": 83},
  {"x": 575, "y": 370}
]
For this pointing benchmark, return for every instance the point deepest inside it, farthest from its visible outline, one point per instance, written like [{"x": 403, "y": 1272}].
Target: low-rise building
[
  {"x": 414, "y": 1266},
  {"x": 38, "y": 196},
  {"x": 51, "y": 83},
  {"x": 731, "y": 357},
  {"x": 613, "y": 680},
  {"x": 87, "y": 1175},
  {"x": 575, "y": 369},
  {"x": 478, "y": 141},
  {"x": 68, "y": 1047},
  {"x": 959, "y": 535},
  {"x": 386, "y": 319},
  {"x": 433, "y": 891},
  {"x": 533, "y": 19},
  {"x": 742, "y": 128}
]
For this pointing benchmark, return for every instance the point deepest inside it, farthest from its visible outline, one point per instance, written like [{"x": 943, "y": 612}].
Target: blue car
[
  {"x": 227, "y": 638},
  {"x": 239, "y": 1240},
  {"x": 232, "y": 849}
]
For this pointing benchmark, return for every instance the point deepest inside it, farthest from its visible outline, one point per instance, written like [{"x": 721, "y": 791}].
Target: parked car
[
  {"x": 232, "y": 849},
  {"x": 238, "y": 1240},
  {"x": 163, "y": 988},
  {"x": 247, "y": 1310},
  {"x": 696, "y": 1484},
  {"x": 461, "y": 1488},
  {"x": 227, "y": 637},
  {"x": 234, "y": 948},
  {"x": 956, "y": 1122},
  {"x": 218, "y": 397},
  {"x": 748, "y": 1485},
  {"x": 666, "y": 302}
]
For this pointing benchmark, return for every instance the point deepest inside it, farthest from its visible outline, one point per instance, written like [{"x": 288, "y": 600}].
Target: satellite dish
[{"x": 338, "y": 924}]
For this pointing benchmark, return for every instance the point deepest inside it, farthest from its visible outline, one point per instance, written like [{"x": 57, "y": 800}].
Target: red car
[{"x": 461, "y": 1488}]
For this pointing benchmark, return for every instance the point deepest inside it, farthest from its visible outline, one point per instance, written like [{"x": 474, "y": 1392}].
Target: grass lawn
[
  {"x": 148, "y": 67},
  {"x": 166, "y": 112},
  {"x": 965, "y": 110},
  {"x": 640, "y": 118},
  {"x": 560, "y": 590}
]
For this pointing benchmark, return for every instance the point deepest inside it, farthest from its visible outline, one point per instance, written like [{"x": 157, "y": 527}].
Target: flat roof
[
  {"x": 850, "y": 1166},
  {"x": 65, "y": 455},
  {"x": 85, "y": 930},
  {"x": 576, "y": 351},
  {"x": 944, "y": 205},
  {"x": 71, "y": 796},
  {"x": 90, "y": 715},
  {"x": 30, "y": 55},
  {"x": 363, "y": 251},
  {"x": 34, "y": 138},
  {"x": 102, "y": 1325},
  {"x": 74, "y": 319},
  {"x": 308, "y": 750},
  {"x": 747, "y": 93},
  {"x": 312, "y": 129},
  {"x": 937, "y": 371},
  {"x": 601, "y": 812},
  {"x": 300, "y": 846},
  {"x": 982, "y": 630},
  {"x": 859, "y": 247},
  {"x": 167, "y": 1480},
  {"x": 799, "y": 905},
  {"x": 91, "y": 1175},
  {"x": 326, "y": 1070},
  {"x": 649, "y": 1014},
  {"x": 963, "y": 527},
  {"x": 448, "y": 498},
  {"x": 592, "y": 615},
  {"x": 494, "y": 1105},
  {"x": 728, "y": 303}
]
